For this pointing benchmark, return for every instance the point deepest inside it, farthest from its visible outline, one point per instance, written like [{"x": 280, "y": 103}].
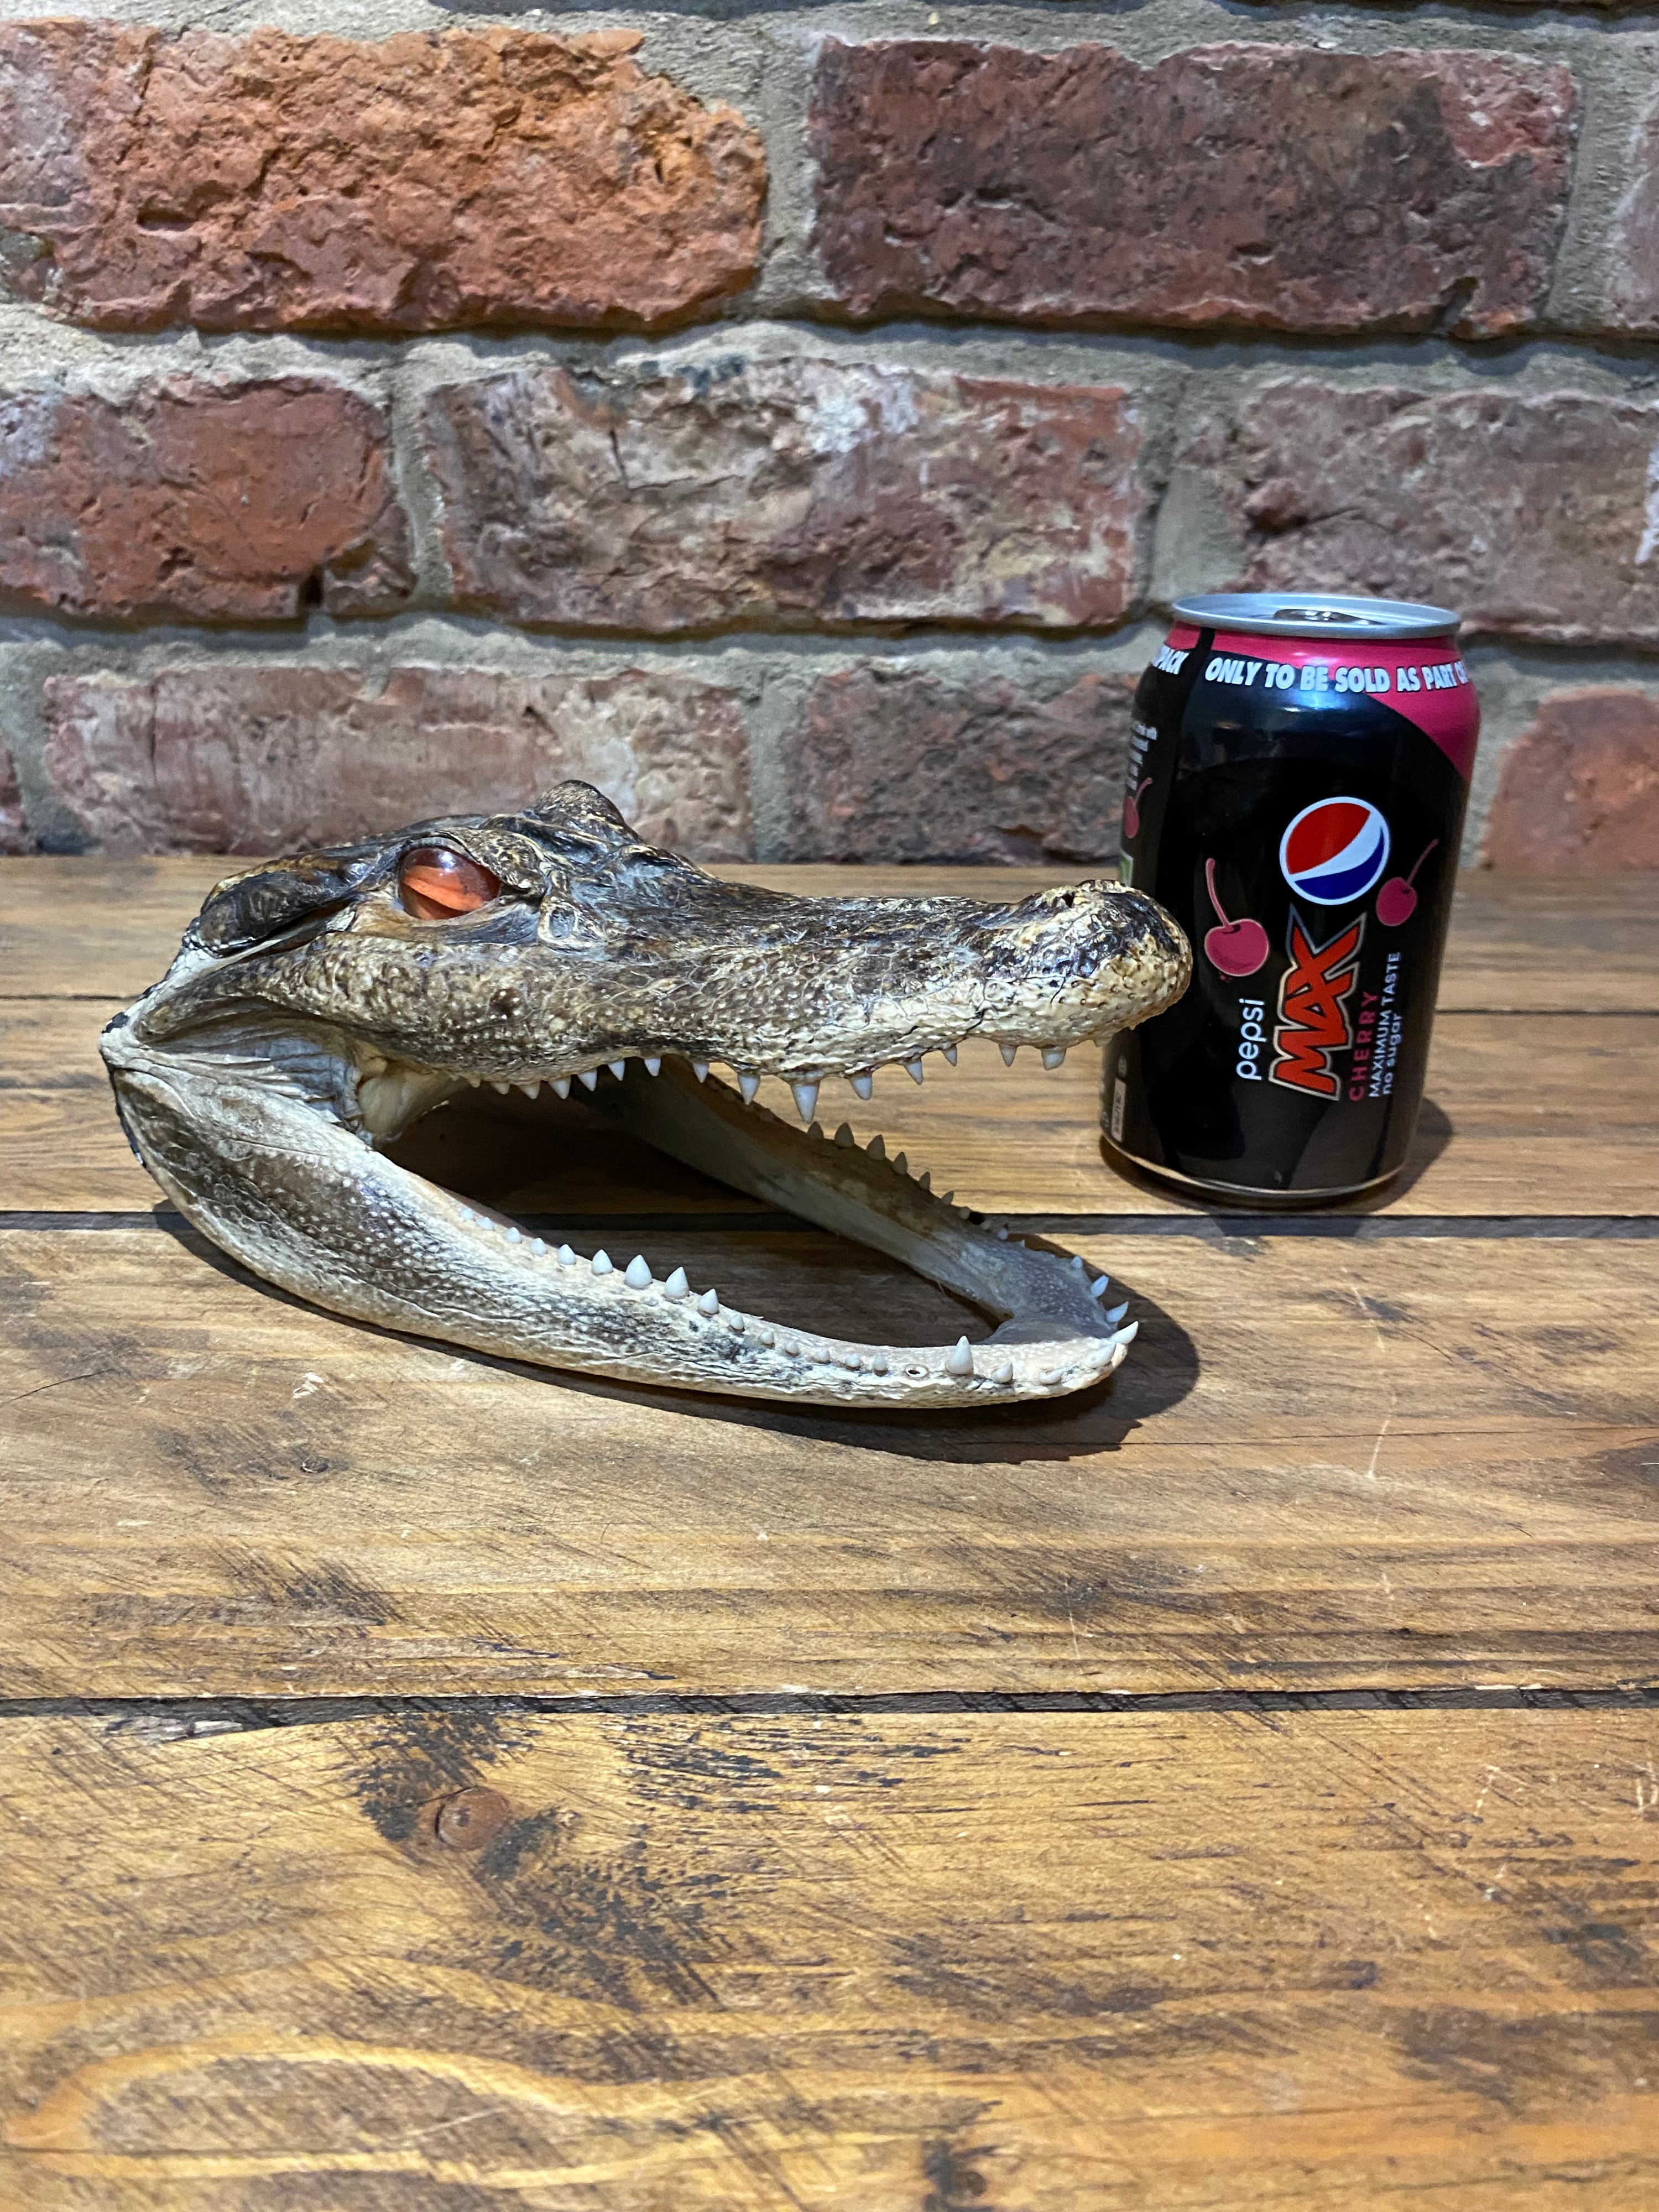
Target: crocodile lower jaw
[{"x": 610, "y": 1314}]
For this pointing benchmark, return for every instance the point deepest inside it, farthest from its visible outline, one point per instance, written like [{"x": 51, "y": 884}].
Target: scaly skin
[{"x": 311, "y": 1017}]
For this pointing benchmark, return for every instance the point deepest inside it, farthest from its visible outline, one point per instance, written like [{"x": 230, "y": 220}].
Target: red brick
[
  {"x": 1270, "y": 186},
  {"x": 1533, "y": 514},
  {"x": 895, "y": 762},
  {"x": 829, "y": 491},
  {"x": 434, "y": 179},
  {"x": 201, "y": 502},
  {"x": 1578, "y": 791},
  {"x": 252, "y": 757},
  {"x": 13, "y": 829}
]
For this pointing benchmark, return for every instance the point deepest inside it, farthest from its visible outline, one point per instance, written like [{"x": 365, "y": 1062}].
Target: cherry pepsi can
[{"x": 1299, "y": 770}]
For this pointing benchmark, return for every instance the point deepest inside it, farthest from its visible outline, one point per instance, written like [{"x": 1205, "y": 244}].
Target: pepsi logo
[{"x": 1334, "y": 851}]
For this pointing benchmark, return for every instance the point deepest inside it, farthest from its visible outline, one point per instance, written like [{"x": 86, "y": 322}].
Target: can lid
[{"x": 1317, "y": 614}]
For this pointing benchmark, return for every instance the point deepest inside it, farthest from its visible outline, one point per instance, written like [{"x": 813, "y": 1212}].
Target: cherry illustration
[
  {"x": 1132, "y": 810},
  {"x": 1397, "y": 901},
  {"x": 1238, "y": 948}
]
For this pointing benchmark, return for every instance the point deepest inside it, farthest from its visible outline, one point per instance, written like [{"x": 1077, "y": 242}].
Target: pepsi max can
[{"x": 1299, "y": 770}]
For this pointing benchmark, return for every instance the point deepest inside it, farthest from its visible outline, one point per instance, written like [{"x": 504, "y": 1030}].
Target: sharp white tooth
[
  {"x": 676, "y": 1286},
  {"x": 948, "y": 1197},
  {"x": 735, "y": 1323},
  {"x": 1077, "y": 1261},
  {"x": 1097, "y": 1287},
  {"x": 850, "y": 1360},
  {"x": 951, "y": 1054},
  {"x": 863, "y": 1084},
  {"x": 637, "y": 1275},
  {"x": 766, "y": 1336},
  {"x": 845, "y": 1138},
  {"x": 531, "y": 1090},
  {"x": 807, "y": 1099},
  {"x": 1008, "y": 1052},
  {"x": 912, "y": 1069},
  {"x": 876, "y": 1148},
  {"x": 816, "y": 1132},
  {"x": 961, "y": 1361},
  {"x": 901, "y": 1165},
  {"x": 700, "y": 1069},
  {"x": 565, "y": 1256},
  {"x": 466, "y": 1213},
  {"x": 878, "y": 1365},
  {"x": 925, "y": 1179},
  {"x": 600, "y": 1263},
  {"x": 1051, "y": 1376},
  {"x": 1114, "y": 1314},
  {"x": 502, "y": 1087},
  {"x": 709, "y": 1304},
  {"x": 618, "y": 1068},
  {"x": 512, "y": 1236},
  {"x": 749, "y": 1085},
  {"x": 1127, "y": 1335},
  {"x": 652, "y": 1063},
  {"x": 562, "y": 1085},
  {"x": 590, "y": 1078},
  {"x": 1053, "y": 1054},
  {"x": 1003, "y": 1371},
  {"x": 539, "y": 1248}
]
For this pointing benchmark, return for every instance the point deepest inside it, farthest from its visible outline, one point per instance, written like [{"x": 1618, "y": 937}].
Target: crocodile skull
[{"x": 320, "y": 1006}]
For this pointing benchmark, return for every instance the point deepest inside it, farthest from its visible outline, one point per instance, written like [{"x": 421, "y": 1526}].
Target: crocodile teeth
[
  {"x": 618, "y": 1068},
  {"x": 652, "y": 1063},
  {"x": 961, "y": 1359},
  {"x": 676, "y": 1286},
  {"x": 807, "y": 1099},
  {"x": 601, "y": 1263},
  {"x": 562, "y": 1085},
  {"x": 590, "y": 1077},
  {"x": 637, "y": 1275},
  {"x": 863, "y": 1084},
  {"x": 709, "y": 1304},
  {"x": 1008, "y": 1052},
  {"x": 1053, "y": 1054},
  {"x": 912, "y": 1069},
  {"x": 700, "y": 1069},
  {"x": 749, "y": 1085},
  {"x": 951, "y": 1054}
]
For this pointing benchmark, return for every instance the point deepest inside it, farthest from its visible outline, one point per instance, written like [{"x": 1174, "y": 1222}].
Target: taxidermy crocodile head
[{"x": 322, "y": 1005}]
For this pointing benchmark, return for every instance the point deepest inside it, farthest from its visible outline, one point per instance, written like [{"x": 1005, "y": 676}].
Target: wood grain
[
  {"x": 995, "y": 1963},
  {"x": 106, "y": 929},
  {"x": 1526, "y": 1114},
  {"x": 1327, "y": 1464}
]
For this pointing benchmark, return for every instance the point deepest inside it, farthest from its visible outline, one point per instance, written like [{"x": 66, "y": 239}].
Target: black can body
[{"x": 1298, "y": 782}]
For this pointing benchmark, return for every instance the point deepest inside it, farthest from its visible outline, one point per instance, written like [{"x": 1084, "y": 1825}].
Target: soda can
[{"x": 1298, "y": 771}]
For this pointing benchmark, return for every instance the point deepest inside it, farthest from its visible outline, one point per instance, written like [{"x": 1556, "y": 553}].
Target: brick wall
[{"x": 796, "y": 423}]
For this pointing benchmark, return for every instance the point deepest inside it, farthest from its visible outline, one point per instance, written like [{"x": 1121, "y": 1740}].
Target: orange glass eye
[{"x": 437, "y": 883}]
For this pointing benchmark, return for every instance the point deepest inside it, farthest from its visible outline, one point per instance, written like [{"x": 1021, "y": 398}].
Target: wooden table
[{"x": 435, "y": 1786}]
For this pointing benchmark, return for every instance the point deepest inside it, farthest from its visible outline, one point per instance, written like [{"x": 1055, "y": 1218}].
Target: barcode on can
[{"x": 1120, "y": 1097}]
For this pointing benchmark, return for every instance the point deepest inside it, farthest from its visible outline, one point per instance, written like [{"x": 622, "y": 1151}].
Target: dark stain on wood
[{"x": 421, "y": 1755}]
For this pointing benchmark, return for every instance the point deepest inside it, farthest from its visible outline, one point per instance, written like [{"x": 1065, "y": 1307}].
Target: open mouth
[{"x": 320, "y": 1010}]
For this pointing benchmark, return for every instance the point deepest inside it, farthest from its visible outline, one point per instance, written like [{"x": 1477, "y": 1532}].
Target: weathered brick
[
  {"x": 431, "y": 180},
  {"x": 13, "y": 829},
  {"x": 1531, "y": 513},
  {"x": 1578, "y": 790},
  {"x": 252, "y": 757},
  {"x": 888, "y": 761},
  {"x": 741, "y": 490},
  {"x": 1270, "y": 186},
  {"x": 200, "y": 501},
  {"x": 1633, "y": 245}
]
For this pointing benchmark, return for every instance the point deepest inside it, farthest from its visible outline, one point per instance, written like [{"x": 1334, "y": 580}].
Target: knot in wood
[{"x": 469, "y": 1820}]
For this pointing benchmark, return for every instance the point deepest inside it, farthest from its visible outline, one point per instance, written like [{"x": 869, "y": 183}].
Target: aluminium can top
[{"x": 1317, "y": 614}]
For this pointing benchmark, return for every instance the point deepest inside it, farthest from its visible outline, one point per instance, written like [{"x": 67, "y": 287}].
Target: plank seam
[
  {"x": 1217, "y": 1228},
  {"x": 185, "y": 1719}
]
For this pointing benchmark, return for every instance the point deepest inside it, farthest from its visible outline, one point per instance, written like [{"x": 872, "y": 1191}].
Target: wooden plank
[
  {"x": 1527, "y": 945},
  {"x": 1037, "y": 1962},
  {"x": 1526, "y": 1115},
  {"x": 1327, "y": 1464}
]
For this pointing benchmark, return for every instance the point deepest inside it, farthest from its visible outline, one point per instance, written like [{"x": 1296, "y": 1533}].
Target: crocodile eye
[{"x": 436, "y": 883}]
